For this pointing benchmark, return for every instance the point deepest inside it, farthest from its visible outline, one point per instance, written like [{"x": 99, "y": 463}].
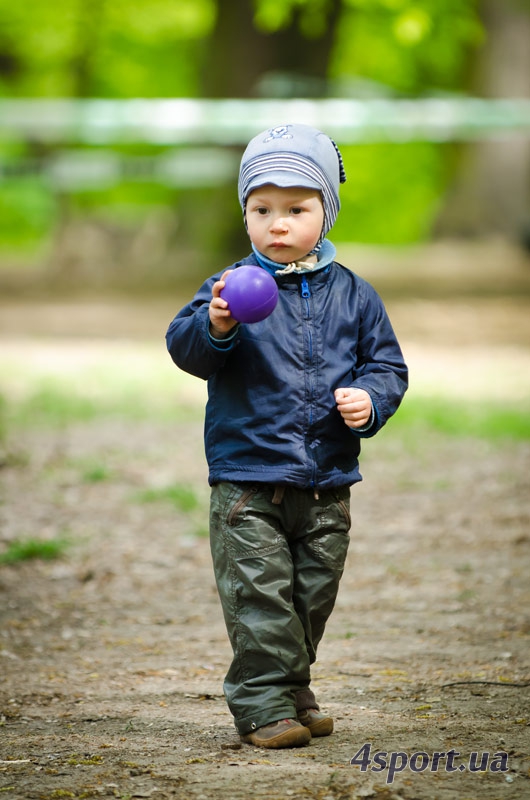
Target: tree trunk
[
  {"x": 236, "y": 59},
  {"x": 239, "y": 55},
  {"x": 491, "y": 191}
]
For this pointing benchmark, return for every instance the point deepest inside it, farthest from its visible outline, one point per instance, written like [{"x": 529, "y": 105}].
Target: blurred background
[
  {"x": 121, "y": 130},
  {"x": 122, "y": 125}
]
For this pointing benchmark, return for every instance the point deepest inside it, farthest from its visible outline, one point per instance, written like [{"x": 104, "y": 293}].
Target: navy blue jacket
[{"x": 271, "y": 415}]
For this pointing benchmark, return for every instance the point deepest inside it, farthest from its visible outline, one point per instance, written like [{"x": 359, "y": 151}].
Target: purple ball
[{"x": 251, "y": 293}]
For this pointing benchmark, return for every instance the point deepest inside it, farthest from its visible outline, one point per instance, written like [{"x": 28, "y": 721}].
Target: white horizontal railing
[
  {"x": 99, "y": 168},
  {"x": 234, "y": 122},
  {"x": 194, "y": 135}
]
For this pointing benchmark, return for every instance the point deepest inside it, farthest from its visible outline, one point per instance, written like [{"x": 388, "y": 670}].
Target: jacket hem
[{"x": 259, "y": 475}]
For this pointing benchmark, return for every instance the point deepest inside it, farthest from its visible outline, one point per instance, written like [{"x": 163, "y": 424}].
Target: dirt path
[{"x": 112, "y": 658}]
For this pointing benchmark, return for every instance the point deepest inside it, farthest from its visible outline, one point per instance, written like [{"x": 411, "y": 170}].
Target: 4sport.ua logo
[{"x": 421, "y": 761}]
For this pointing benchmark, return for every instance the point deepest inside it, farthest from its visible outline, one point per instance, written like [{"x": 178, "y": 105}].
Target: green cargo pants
[{"x": 278, "y": 556}]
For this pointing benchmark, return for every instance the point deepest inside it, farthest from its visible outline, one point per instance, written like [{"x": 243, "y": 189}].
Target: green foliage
[
  {"x": 31, "y": 548},
  {"x": 95, "y": 48},
  {"x": 409, "y": 45},
  {"x": 28, "y": 212},
  {"x": 312, "y": 16},
  {"x": 391, "y": 193},
  {"x": 125, "y": 202},
  {"x": 156, "y": 48}
]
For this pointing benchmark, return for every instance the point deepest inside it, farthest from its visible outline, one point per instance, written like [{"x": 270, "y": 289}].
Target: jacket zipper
[{"x": 305, "y": 293}]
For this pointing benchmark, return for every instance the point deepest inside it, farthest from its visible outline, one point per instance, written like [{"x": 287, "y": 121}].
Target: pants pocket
[
  {"x": 238, "y": 506},
  {"x": 342, "y": 497}
]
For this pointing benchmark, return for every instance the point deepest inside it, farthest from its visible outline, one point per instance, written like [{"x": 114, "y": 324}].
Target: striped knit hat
[{"x": 294, "y": 155}]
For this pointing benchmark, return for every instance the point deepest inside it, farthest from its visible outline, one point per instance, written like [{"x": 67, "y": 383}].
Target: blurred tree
[
  {"x": 282, "y": 48},
  {"x": 305, "y": 48},
  {"x": 491, "y": 186},
  {"x": 250, "y": 41},
  {"x": 103, "y": 48},
  {"x": 413, "y": 47}
]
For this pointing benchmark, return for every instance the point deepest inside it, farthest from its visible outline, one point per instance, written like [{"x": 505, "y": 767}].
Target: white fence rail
[
  {"x": 195, "y": 135},
  {"x": 225, "y": 122}
]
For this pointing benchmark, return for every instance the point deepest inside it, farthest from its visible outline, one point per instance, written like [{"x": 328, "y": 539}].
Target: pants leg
[
  {"x": 319, "y": 554},
  {"x": 277, "y": 569},
  {"x": 254, "y": 574}
]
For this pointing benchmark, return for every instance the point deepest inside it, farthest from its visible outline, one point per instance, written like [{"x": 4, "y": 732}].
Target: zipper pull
[{"x": 305, "y": 287}]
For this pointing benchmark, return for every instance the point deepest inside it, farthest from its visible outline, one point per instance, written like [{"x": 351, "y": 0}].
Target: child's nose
[{"x": 279, "y": 224}]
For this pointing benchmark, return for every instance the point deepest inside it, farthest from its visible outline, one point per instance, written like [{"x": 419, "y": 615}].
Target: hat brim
[{"x": 285, "y": 179}]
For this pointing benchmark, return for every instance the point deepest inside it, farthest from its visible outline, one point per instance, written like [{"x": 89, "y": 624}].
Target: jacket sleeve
[
  {"x": 381, "y": 369},
  {"x": 188, "y": 340}
]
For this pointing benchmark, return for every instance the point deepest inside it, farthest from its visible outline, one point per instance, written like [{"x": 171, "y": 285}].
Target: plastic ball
[{"x": 251, "y": 293}]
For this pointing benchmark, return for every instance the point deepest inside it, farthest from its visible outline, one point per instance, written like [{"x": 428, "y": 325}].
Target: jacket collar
[{"x": 326, "y": 255}]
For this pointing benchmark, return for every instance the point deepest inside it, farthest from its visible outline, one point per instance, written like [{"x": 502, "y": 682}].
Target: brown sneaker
[
  {"x": 283, "y": 733},
  {"x": 318, "y": 724}
]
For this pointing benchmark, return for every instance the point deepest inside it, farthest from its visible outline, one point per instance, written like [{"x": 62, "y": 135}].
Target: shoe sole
[{"x": 323, "y": 727}]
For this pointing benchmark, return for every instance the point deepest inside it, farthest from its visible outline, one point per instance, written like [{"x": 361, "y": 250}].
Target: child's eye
[
  {"x": 296, "y": 210},
  {"x": 262, "y": 211}
]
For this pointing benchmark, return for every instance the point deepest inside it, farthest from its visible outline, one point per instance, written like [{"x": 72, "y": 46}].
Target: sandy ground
[{"x": 112, "y": 657}]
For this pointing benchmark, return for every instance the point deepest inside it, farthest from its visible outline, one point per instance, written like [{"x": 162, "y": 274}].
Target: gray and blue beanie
[{"x": 294, "y": 155}]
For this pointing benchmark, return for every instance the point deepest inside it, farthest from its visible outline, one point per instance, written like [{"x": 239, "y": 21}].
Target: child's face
[{"x": 284, "y": 224}]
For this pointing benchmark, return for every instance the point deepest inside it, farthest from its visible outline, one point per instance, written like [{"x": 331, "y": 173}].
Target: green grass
[
  {"x": 95, "y": 473},
  {"x": 53, "y": 405},
  {"x": 482, "y": 420},
  {"x": 58, "y": 385},
  {"x": 183, "y": 497},
  {"x": 56, "y": 406},
  {"x": 142, "y": 385},
  {"x": 31, "y": 548},
  {"x": 201, "y": 531}
]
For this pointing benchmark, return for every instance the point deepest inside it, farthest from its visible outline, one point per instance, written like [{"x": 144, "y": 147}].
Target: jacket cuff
[
  {"x": 371, "y": 426},
  {"x": 369, "y": 423},
  {"x": 223, "y": 344}
]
